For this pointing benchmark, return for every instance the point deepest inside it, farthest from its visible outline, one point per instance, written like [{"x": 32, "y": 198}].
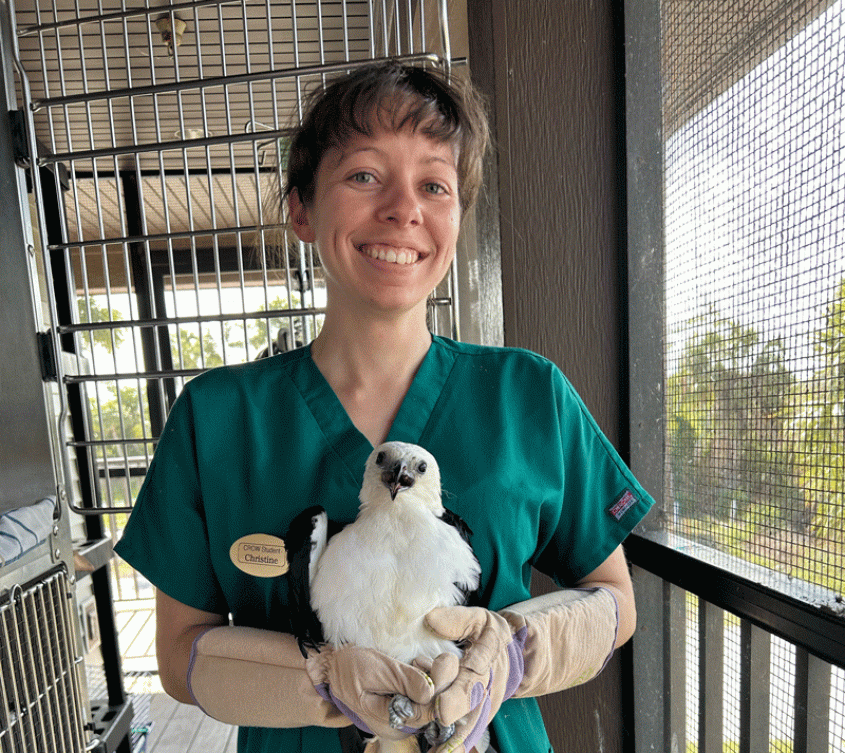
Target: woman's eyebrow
[{"x": 347, "y": 153}]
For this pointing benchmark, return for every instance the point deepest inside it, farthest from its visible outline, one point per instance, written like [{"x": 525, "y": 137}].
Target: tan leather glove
[
  {"x": 536, "y": 647},
  {"x": 251, "y": 677}
]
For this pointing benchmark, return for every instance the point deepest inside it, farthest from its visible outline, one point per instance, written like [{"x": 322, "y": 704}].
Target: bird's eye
[
  {"x": 422, "y": 467},
  {"x": 380, "y": 458}
]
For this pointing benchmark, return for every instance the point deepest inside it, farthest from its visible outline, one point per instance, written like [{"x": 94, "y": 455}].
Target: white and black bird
[{"x": 373, "y": 582}]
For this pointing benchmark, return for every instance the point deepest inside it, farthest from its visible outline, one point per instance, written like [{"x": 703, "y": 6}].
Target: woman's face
[{"x": 385, "y": 218}]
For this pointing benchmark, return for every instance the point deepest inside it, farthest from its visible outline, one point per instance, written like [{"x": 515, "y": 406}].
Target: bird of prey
[{"x": 373, "y": 582}]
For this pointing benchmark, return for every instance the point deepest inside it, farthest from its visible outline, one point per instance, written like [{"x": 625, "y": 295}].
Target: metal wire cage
[
  {"x": 160, "y": 148},
  {"x": 40, "y": 693}
]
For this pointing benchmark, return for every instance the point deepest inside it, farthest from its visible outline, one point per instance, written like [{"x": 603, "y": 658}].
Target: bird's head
[{"x": 395, "y": 468}]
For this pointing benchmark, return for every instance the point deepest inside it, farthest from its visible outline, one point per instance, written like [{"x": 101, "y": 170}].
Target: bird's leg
[
  {"x": 399, "y": 710},
  {"x": 437, "y": 733}
]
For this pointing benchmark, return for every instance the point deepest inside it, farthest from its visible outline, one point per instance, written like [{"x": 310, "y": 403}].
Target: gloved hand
[
  {"x": 536, "y": 647},
  {"x": 258, "y": 678},
  {"x": 362, "y": 682},
  {"x": 491, "y": 670}
]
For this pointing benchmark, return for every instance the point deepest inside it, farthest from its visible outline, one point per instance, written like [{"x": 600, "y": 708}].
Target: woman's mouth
[{"x": 389, "y": 254}]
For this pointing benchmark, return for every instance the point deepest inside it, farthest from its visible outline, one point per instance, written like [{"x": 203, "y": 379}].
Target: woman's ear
[{"x": 298, "y": 213}]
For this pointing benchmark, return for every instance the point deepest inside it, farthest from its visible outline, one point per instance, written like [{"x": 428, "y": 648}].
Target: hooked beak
[{"x": 397, "y": 479}]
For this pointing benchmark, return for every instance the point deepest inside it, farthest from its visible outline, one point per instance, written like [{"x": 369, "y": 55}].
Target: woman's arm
[
  {"x": 613, "y": 575},
  {"x": 177, "y": 626},
  {"x": 246, "y": 676},
  {"x": 539, "y": 646}
]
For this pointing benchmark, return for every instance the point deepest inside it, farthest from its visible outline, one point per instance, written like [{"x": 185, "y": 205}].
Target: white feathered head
[{"x": 399, "y": 468}]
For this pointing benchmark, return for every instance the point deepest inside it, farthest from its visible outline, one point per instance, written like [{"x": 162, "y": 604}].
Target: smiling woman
[{"x": 380, "y": 172}]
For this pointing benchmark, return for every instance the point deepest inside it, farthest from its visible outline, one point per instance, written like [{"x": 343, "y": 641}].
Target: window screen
[{"x": 754, "y": 161}]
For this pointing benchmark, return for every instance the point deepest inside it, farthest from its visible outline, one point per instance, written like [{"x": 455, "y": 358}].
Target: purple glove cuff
[
  {"x": 481, "y": 695},
  {"x": 324, "y": 691},
  {"x": 516, "y": 655},
  {"x": 191, "y": 669}
]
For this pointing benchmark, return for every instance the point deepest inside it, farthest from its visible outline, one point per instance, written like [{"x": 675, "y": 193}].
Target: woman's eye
[
  {"x": 435, "y": 188},
  {"x": 362, "y": 177}
]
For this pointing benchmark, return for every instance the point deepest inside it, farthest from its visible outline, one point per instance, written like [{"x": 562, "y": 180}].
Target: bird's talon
[
  {"x": 437, "y": 734},
  {"x": 399, "y": 710}
]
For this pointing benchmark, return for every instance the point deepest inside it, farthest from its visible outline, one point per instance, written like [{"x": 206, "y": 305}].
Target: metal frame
[
  {"x": 821, "y": 633},
  {"x": 26, "y": 457}
]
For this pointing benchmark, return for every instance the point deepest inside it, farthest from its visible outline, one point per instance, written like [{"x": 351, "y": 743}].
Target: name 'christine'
[{"x": 266, "y": 559}]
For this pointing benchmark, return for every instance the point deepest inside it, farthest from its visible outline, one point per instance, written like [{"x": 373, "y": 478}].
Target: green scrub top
[{"x": 247, "y": 447}]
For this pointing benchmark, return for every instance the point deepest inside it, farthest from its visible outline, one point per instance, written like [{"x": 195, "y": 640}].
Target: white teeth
[{"x": 388, "y": 254}]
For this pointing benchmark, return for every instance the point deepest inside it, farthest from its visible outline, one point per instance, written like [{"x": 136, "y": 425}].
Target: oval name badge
[{"x": 260, "y": 554}]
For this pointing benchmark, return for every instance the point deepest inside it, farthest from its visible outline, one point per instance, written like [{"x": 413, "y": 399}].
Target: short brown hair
[{"x": 394, "y": 96}]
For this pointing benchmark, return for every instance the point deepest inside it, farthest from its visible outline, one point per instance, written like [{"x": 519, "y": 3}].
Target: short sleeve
[
  {"x": 602, "y": 500},
  {"x": 166, "y": 538}
]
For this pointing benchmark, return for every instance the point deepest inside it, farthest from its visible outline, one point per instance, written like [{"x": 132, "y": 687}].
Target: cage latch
[{"x": 20, "y": 140}]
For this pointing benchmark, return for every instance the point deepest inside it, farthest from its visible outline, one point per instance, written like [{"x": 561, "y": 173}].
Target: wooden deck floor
[
  {"x": 173, "y": 727},
  {"x": 177, "y": 728}
]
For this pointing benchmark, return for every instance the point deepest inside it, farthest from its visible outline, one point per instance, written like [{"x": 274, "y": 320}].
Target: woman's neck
[{"x": 370, "y": 365}]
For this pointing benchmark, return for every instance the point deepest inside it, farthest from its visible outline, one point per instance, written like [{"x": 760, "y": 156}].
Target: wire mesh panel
[
  {"x": 165, "y": 127},
  {"x": 40, "y": 701},
  {"x": 746, "y": 690},
  {"x": 754, "y": 107}
]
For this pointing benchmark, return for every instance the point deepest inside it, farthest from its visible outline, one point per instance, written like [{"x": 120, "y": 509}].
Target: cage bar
[{"x": 39, "y": 687}]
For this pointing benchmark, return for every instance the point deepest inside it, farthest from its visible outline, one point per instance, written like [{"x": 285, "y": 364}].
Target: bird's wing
[
  {"x": 460, "y": 525},
  {"x": 456, "y": 521},
  {"x": 305, "y": 543}
]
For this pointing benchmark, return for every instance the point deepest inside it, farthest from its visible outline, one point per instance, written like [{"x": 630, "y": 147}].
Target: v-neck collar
[{"x": 410, "y": 422}]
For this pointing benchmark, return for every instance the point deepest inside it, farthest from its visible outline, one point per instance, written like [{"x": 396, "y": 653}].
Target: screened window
[{"x": 754, "y": 365}]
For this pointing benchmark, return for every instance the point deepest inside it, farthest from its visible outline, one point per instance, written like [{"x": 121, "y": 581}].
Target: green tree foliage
[
  {"x": 728, "y": 416},
  {"x": 748, "y": 438},
  {"x": 120, "y": 416},
  {"x": 192, "y": 351},
  {"x": 262, "y": 334},
  {"x": 91, "y": 312},
  {"x": 822, "y": 430}
]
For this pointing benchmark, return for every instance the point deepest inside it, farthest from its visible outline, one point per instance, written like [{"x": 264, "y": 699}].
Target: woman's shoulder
[
  {"x": 487, "y": 356},
  {"x": 246, "y": 376}
]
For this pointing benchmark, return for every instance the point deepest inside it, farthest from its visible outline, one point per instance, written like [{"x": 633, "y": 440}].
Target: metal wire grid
[
  {"x": 39, "y": 685},
  {"x": 692, "y": 656},
  {"x": 112, "y": 79},
  {"x": 756, "y": 706},
  {"x": 168, "y": 230},
  {"x": 782, "y": 697},
  {"x": 755, "y": 281}
]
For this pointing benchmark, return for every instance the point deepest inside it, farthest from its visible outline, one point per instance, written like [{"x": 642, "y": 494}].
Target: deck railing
[{"x": 725, "y": 664}]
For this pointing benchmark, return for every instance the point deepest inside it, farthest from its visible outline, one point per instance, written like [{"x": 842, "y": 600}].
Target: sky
[{"x": 755, "y": 196}]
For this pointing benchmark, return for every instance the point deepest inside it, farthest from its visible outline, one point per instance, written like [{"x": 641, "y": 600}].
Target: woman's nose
[{"x": 401, "y": 206}]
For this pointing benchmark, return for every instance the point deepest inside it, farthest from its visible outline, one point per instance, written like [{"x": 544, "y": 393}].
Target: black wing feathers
[
  {"x": 305, "y": 626},
  {"x": 457, "y": 522}
]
